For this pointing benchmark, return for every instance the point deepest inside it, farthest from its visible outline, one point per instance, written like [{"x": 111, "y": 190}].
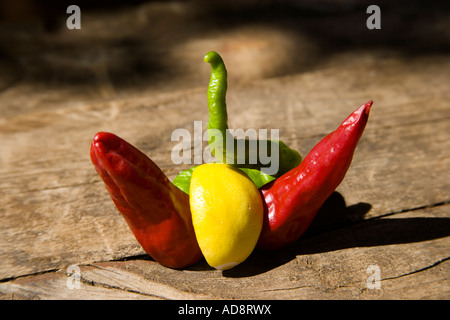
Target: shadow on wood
[{"x": 344, "y": 229}]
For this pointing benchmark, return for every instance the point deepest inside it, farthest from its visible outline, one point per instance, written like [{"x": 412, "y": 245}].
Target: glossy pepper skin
[
  {"x": 293, "y": 200},
  {"x": 217, "y": 90},
  {"x": 156, "y": 211},
  {"x": 218, "y": 122}
]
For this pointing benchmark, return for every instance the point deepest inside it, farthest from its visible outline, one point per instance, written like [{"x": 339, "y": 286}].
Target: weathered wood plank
[
  {"x": 56, "y": 212},
  {"x": 54, "y": 286},
  {"x": 409, "y": 250}
]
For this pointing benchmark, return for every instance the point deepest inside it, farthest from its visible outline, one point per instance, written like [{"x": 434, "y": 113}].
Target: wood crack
[
  {"x": 94, "y": 283},
  {"x": 113, "y": 287},
  {"x": 418, "y": 270},
  {"x": 29, "y": 275},
  {"x": 288, "y": 289},
  {"x": 428, "y": 206}
]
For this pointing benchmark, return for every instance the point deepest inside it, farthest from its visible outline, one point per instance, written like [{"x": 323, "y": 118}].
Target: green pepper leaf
[
  {"x": 183, "y": 180},
  {"x": 289, "y": 158},
  {"x": 258, "y": 177}
]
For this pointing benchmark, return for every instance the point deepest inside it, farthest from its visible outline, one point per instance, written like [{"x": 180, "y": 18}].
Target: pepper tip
[
  {"x": 367, "y": 107},
  {"x": 106, "y": 139},
  {"x": 213, "y": 58}
]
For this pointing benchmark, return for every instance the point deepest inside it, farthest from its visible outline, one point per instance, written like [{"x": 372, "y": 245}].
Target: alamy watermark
[
  {"x": 247, "y": 147},
  {"x": 74, "y": 20},
  {"x": 74, "y": 277},
  {"x": 374, "y": 20},
  {"x": 374, "y": 279}
]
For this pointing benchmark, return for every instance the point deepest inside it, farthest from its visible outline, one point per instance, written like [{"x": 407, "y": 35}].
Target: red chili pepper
[
  {"x": 293, "y": 200},
  {"x": 156, "y": 211}
]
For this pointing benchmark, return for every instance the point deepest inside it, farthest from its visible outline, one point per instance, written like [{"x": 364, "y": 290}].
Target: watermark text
[{"x": 243, "y": 147}]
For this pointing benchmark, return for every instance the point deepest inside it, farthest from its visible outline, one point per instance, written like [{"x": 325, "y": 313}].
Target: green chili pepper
[
  {"x": 218, "y": 123},
  {"x": 217, "y": 90},
  {"x": 218, "y": 135}
]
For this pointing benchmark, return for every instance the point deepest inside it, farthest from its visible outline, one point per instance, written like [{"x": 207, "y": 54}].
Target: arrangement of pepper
[{"x": 158, "y": 211}]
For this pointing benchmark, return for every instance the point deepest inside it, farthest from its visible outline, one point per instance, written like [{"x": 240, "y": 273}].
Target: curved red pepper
[
  {"x": 156, "y": 211},
  {"x": 293, "y": 200}
]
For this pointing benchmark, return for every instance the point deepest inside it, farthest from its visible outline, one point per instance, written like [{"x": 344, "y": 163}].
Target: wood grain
[{"x": 392, "y": 209}]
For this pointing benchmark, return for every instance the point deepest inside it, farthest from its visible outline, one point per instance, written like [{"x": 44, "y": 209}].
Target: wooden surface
[{"x": 391, "y": 211}]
